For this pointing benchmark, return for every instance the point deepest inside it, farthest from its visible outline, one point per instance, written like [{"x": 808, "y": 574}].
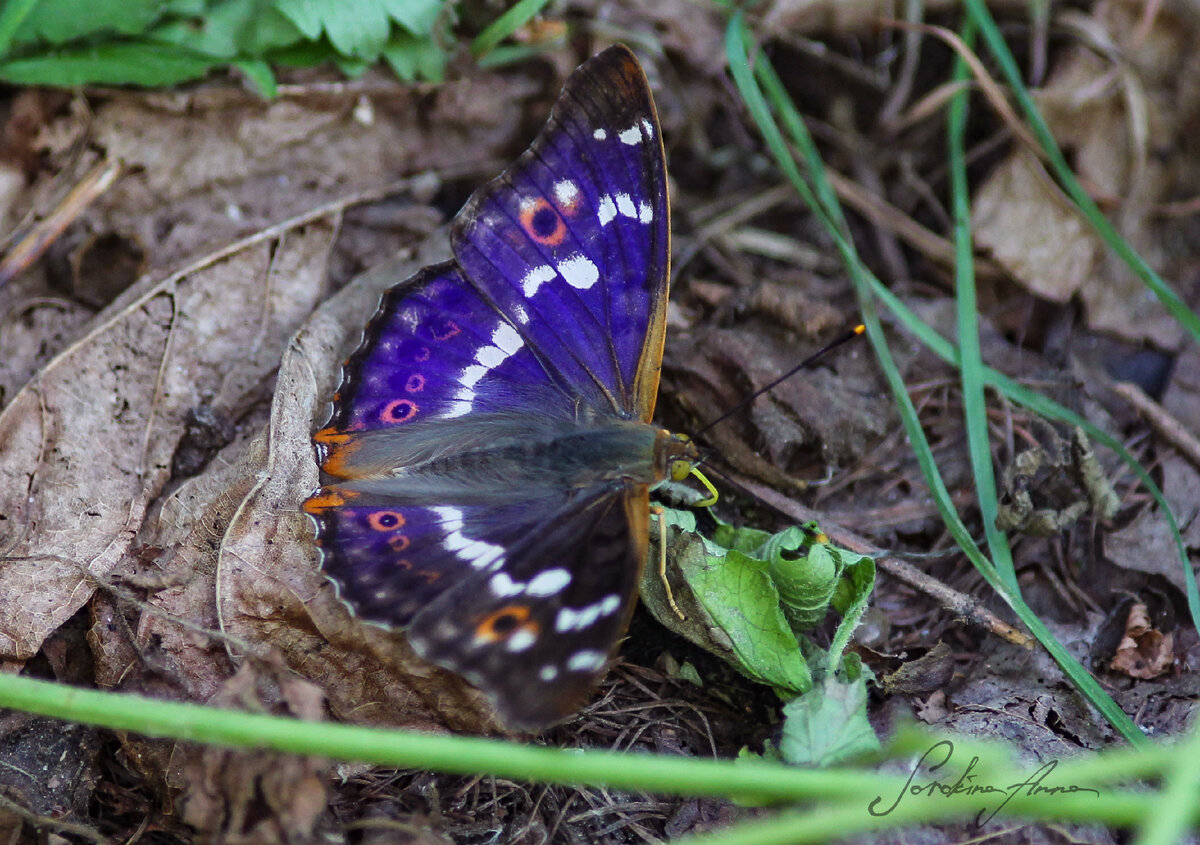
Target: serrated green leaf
[
  {"x": 260, "y": 75},
  {"x": 356, "y": 30},
  {"x": 122, "y": 63},
  {"x": 413, "y": 58},
  {"x": 828, "y": 724},
  {"x": 417, "y": 16},
  {"x": 307, "y": 15},
  {"x": 60, "y": 21},
  {"x": 230, "y": 29}
]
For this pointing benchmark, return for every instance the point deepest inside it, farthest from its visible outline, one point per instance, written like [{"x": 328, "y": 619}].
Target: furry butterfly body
[{"x": 488, "y": 461}]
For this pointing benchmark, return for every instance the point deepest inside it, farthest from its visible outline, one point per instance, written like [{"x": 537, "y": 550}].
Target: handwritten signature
[{"x": 938, "y": 756}]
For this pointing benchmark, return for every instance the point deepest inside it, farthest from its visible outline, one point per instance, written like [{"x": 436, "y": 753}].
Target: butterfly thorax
[{"x": 475, "y": 458}]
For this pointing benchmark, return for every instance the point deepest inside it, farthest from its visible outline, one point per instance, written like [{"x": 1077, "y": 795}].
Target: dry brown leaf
[
  {"x": 1118, "y": 104},
  {"x": 1146, "y": 544},
  {"x": 86, "y": 445},
  {"x": 255, "y": 797},
  {"x": 1143, "y": 652},
  {"x": 1033, "y": 232}
]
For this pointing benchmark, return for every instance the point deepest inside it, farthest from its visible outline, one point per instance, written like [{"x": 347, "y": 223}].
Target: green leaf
[
  {"x": 232, "y": 28},
  {"x": 122, "y": 63},
  {"x": 260, "y": 75},
  {"x": 59, "y": 21},
  {"x": 417, "y": 16},
  {"x": 413, "y": 58},
  {"x": 359, "y": 29},
  {"x": 828, "y": 724},
  {"x": 805, "y": 573},
  {"x": 731, "y": 607},
  {"x": 747, "y": 596}
]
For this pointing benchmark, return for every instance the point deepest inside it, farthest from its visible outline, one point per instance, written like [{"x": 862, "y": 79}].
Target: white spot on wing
[
  {"x": 521, "y": 640},
  {"x": 586, "y": 660},
  {"x": 490, "y": 357},
  {"x": 648, "y": 129},
  {"x": 579, "y": 271},
  {"x": 535, "y": 278},
  {"x": 625, "y": 205},
  {"x": 475, "y": 552},
  {"x": 631, "y": 136},
  {"x": 472, "y": 374},
  {"x": 607, "y": 210},
  {"x": 549, "y": 582},
  {"x": 505, "y": 343},
  {"x": 570, "y": 619},
  {"x": 504, "y": 587},
  {"x": 507, "y": 339},
  {"x": 548, "y": 672},
  {"x": 566, "y": 192},
  {"x": 599, "y": 134},
  {"x": 645, "y": 212}
]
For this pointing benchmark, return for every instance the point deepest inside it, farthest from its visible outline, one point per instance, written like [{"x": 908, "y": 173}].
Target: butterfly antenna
[{"x": 850, "y": 335}]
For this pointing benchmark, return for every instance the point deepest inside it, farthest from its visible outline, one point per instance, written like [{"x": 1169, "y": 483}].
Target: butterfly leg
[{"x": 662, "y": 560}]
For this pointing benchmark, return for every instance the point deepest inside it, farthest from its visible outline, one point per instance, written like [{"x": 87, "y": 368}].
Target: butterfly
[{"x": 489, "y": 457}]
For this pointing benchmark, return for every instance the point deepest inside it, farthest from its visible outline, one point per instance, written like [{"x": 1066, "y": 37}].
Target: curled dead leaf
[{"x": 1143, "y": 652}]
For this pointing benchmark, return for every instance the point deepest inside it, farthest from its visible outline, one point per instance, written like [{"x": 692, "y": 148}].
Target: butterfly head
[{"x": 674, "y": 456}]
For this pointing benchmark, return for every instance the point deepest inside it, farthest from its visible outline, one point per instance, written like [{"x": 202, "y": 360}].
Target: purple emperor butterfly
[{"x": 490, "y": 452}]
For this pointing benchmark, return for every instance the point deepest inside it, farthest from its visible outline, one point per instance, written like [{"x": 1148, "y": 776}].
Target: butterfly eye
[{"x": 680, "y": 470}]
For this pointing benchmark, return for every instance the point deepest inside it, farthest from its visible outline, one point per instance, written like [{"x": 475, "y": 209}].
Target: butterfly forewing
[
  {"x": 572, "y": 241},
  {"x": 436, "y": 349}
]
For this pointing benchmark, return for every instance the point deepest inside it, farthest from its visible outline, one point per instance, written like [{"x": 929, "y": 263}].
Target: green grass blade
[
  {"x": 845, "y": 796},
  {"x": 970, "y": 354},
  {"x": 505, "y": 25}
]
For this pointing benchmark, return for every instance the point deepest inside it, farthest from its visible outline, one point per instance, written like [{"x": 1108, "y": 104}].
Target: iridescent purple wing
[
  {"x": 572, "y": 241},
  {"x": 436, "y": 350}
]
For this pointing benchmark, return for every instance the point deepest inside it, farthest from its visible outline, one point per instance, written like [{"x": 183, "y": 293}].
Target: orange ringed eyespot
[
  {"x": 501, "y": 624},
  {"x": 386, "y": 520},
  {"x": 445, "y": 331},
  {"x": 401, "y": 410},
  {"x": 542, "y": 222}
]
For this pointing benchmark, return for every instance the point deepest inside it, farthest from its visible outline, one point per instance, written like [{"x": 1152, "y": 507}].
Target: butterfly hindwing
[
  {"x": 572, "y": 241},
  {"x": 537, "y": 632}
]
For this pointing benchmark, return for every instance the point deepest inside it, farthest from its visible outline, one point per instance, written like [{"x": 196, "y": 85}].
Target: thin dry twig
[
  {"x": 1161, "y": 420},
  {"x": 47, "y": 230}
]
